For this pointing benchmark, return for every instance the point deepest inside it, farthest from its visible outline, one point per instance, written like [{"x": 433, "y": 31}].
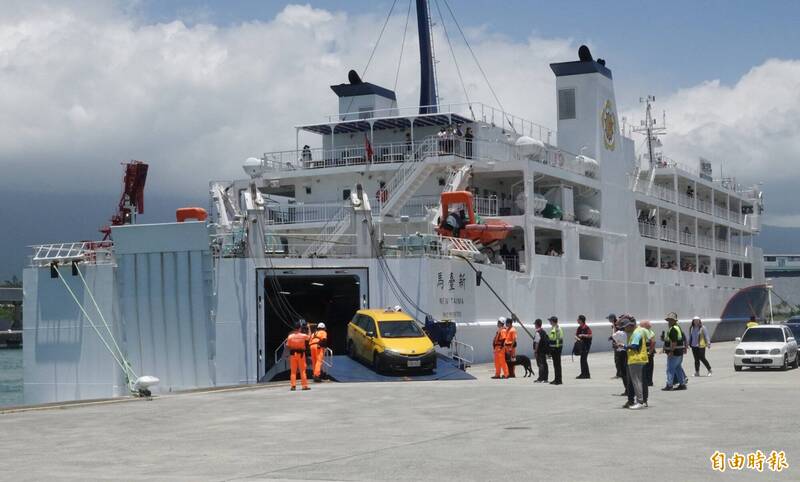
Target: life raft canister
[
  {"x": 297, "y": 341},
  {"x": 198, "y": 214}
]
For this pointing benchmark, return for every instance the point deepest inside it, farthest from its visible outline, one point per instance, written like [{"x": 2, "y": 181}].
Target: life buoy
[{"x": 198, "y": 214}]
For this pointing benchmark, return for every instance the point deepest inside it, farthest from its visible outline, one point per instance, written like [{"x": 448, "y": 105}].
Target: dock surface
[{"x": 451, "y": 430}]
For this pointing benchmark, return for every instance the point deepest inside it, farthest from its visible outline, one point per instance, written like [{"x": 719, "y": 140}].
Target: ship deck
[{"x": 455, "y": 430}]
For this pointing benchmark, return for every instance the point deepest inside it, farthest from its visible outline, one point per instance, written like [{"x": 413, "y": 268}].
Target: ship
[{"x": 454, "y": 213}]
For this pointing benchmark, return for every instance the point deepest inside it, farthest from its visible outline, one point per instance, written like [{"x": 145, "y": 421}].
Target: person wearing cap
[
  {"x": 583, "y": 337},
  {"x": 556, "y": 339},
  {"x": 636, "y": 351},
  {"x": 650, "y": 338},
  {"x": 618, "y": 340},
  {"x": 317, "y": 344},
  {"x": 510, "y": 346},
  {"x": 498, "y": 347},
  {"x": 540, "y": 350},
  {"x": 699, "y": 341},
  {"x": 674, "y": 343}
]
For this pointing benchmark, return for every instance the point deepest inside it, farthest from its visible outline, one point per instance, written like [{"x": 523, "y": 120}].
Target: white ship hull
[{"x": 202, "y": 304}]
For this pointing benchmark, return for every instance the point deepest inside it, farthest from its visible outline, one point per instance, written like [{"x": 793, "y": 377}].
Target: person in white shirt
[{"x": 618, "y": 340}]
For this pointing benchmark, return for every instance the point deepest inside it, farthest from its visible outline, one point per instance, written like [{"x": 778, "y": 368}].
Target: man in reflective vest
[
  {"x": 511, "y": 346},
  {"x": 556, "y": 337},
  {"x": 297, "y": 343},
  {"x": 636, "y": 349},
  {"x": 498, "y": 347},
  {"x": 674, "y": 347},
  {"x": 317, "y": 345}
]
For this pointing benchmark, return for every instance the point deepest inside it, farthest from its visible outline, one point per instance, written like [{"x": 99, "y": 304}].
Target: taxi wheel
[
  {"x": 376, "y": 362},
  {"x": 738, "y": 368},
  {"x": 785, "y": 365},
  {"x": 796, "y": 363}
]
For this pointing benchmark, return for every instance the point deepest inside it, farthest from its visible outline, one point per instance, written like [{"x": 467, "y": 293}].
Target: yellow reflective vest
[
  {"x": 556, "y": 336},
  {"x": 637, "y": 357}
]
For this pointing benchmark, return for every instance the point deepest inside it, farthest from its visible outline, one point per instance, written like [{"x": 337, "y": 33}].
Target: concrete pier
[{"x": 433, "y": 430}]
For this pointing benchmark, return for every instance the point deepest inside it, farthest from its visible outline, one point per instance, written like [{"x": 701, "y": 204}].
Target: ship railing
[
  {"x": 420, "y": 206},
  {"x": 736, "y": 217},
  {"x": 705, "y": 242},
  {"x": 686, "y": 201},
  {"x": 664, "y": 193},
  {"x": 736, "y": 248},
  {"x": 687, "y": 238},
  {"x": 721, "y": 212},
  {"x": 352, "y": 155},
  {"x": 302, "y": 212},
  {"x": 430, "y": 147},
  {"x": 90, "y": 252},
  {"x": 421, "y": 244},
  {"x": 416, "y": 207},
  {"x": 474, "y": 111},
  {"x": 462, "y": 353},
  {"x": 668, "y": 234},
  {"x": 728, "y": 184},
  {"x": 512, "y": 263},
  {"x": 419, "y": 150},
  {"x": 704, "y": 206},
  {"x": 297, "y": 245},
  {"x": 721, "y": 245},
  {"x": 486, "y": 206},
  {"x": 648, "y": 230}
]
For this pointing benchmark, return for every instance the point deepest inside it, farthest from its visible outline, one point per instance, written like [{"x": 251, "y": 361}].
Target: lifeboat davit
[{"x": 462, "y": 223}]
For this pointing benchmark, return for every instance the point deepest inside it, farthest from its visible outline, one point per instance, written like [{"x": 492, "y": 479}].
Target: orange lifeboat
[
  {"x": 486, "y": 234},
  {"x": 198, "y": 214}
]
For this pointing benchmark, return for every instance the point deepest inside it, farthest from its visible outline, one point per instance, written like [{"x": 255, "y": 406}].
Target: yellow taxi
[{"x": 389, "y": 341}]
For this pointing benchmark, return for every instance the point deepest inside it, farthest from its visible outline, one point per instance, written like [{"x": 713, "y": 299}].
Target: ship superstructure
[{"x": 589, "y": 228}]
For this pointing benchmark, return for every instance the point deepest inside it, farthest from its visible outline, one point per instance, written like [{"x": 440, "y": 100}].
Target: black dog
[{"x": 522, "y": 361}]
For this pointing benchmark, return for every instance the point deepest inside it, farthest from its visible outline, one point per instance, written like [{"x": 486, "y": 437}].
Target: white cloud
[
  {"x": 89, "y": 84},
  {"x": 86, "y": 87},
  {"x": 748, "y": 130}
]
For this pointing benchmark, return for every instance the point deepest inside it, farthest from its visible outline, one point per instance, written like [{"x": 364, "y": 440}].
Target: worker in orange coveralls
[
  {"x": 297, "y": 344},
  {"x": 317, "y": 344},
  {"x": 498, "y": 346}
]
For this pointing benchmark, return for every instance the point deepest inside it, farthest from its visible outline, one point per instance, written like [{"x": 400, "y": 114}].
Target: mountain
[
  {"x": 29, "y": 218},
  {"x": 779, "y": 240}
]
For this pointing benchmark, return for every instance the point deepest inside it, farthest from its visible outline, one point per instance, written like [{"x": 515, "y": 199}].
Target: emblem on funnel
[{"x": 609, "y": 125}]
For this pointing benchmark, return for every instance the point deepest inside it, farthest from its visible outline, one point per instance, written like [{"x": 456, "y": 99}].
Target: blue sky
[{"x": 695, "y": 40}]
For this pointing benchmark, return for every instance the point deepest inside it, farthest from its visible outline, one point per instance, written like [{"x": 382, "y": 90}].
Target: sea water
[{"x": 10, "y": 377}]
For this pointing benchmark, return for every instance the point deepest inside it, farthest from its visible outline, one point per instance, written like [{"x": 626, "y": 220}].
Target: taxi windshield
[{"x": 399, "y": 329}]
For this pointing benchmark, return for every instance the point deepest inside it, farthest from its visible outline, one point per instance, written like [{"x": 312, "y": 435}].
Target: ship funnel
[{"x": 587, "y": 110}]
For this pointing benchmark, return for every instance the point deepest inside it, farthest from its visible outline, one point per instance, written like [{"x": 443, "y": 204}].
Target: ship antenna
[
  {"x": 427, "y": 93},
  {"x": 649, "y": 129}
]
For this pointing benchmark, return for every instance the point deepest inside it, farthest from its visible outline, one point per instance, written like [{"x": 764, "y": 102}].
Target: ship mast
[
  {"x": 427, "y": 92},
  {"x": 649, "y": 129}
]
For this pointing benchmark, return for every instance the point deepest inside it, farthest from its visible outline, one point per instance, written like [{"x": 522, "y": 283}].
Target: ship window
[
  {"x": 590, "y": 247},
  {"x": 769, "y": 258},
  {"x": 748, "y": 270},
  {"x": 345, "y": 194},
  {"x": 365, "y": 112},
  {"x": 566, "y": 104},
  {"x": 722, "y": 267}
]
